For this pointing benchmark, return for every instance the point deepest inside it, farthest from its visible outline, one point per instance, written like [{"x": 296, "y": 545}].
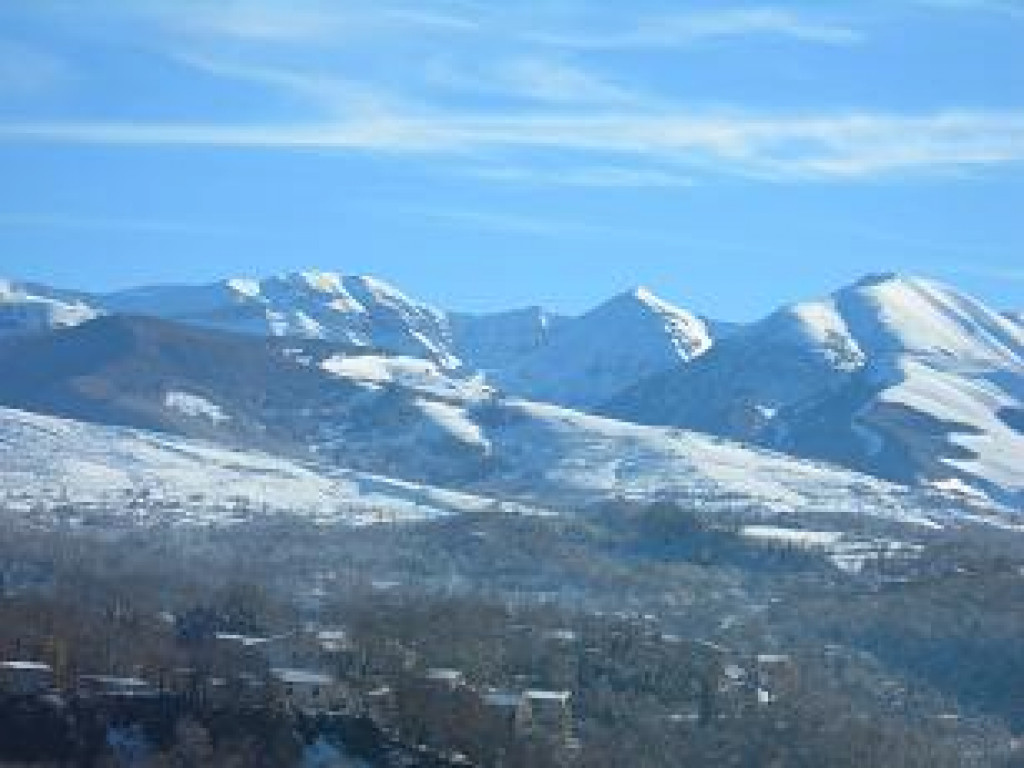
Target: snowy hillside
[
  {"x": 46, "y": 461},
  {"x": 902, "y": 377},
  {"x": 480, "y": 442},
  {"x": 492, "y": 342},
  {"x": 397, "y": 417},
  {"x": 24, "y": 309},
  {"x": 631, "y": 337}
]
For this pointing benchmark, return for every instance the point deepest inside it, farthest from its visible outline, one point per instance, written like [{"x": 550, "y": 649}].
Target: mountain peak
[
  {"x": 878, "y": 278},
  {"x": 318, "y": 281}
]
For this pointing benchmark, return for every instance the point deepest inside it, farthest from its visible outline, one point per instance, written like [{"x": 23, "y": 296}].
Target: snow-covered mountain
[
  {"x": 355, "y": 310},
  {"x": 27, "y": 309},
  {"x": 493, "y": 342},
  {"x": 902, "y": 377},
  {"x": 625, "y": 340},
  {"x": 530, "y": 352},
  {"x": 337, "y": 427}
]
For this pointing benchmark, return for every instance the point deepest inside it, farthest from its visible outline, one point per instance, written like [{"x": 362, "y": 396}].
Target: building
[
  {"x": 107, "y": 686},
  {"x": 381, "y": 705},
  {"x": 546, "y": 713},
  {"x": 309, "y": 690},
  {"x": 25, "y": 678},
  {"x": 503, "y": 708},
  {"x": 448, "y": 679}
]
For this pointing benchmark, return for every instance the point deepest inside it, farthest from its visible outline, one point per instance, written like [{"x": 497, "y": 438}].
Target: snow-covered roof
[
  {"x": 561, "y": 697},
  {"x": 25, "y": 666},
  {"x": 502, "y": 699},
  {"x": 301, "y": 677},
  {"x": 243, "y": 640},
  {"x": 445, "y": 675},
  {"x": 561, "y": 635},
  {"x": 773, "y": 658}
]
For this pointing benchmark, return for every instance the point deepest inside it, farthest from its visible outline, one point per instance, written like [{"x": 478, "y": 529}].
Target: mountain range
[{"x": 902, "y": 378}]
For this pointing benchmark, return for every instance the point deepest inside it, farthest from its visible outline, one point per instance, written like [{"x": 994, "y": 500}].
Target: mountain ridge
[{"x": 903, "y": 377}]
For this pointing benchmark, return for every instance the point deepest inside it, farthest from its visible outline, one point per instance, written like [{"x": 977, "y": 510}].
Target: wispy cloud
[
  {"x": 256, "y": 20},
  {"x": 534, "y": 79},
  {"x": 597, "y": 176},
  {"x": 331, "y": 94},
  {"x": 853, "y": 146},
  {"x": 312, "y": 21},
  {"x": 687, "y": 28}
]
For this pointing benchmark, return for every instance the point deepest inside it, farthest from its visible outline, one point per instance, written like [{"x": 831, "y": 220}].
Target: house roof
[
  {"x": 301, "y": 677},
  {"x": 25, "y": 666},
  {"x": 446, "y": 675},
  {"x": 561, "y": 697},
  {"x": 502, "y": 699}
]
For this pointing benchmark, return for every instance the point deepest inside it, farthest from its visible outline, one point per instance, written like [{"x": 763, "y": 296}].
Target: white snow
[
  {"x": 46, "y": 461},
  {"x": 196, "y": 407},
  {"x": 409, "y": 372},
  {"x": 589, "y": 360},
  {"x": 454, "y": 421},
  {"x": 937, "y": 369},
  {"x": 312, "y": 304},
  {"x": 794, "y": 537},
  {"x": 562, "y": 455},
  {"x": 250, "y": 289},
  {"x": 966, "y": 398},
  {"x": 22, "y": 310}
]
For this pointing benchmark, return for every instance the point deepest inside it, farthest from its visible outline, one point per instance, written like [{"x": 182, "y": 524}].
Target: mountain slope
[
  {"x": 492, "y": 342},
  {"x": 46, "y": 462},
  {"x": 153, "y": 374},
  {"x": 407, "y": 419},
  {"x": 901, "y": 377},
  {"x": 590, "y": 359},
  {"x": 29, "y": 309}
]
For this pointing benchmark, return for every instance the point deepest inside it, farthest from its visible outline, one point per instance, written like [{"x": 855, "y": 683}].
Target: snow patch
[{"x": 195, "y": 407}]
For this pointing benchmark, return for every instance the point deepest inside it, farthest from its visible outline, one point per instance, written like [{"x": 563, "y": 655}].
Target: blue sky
[{"x": 482, "y": 155}]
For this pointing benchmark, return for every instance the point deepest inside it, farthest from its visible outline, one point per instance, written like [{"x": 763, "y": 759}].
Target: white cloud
[
  {"x": 777, "y": 148},
  {"x": 686, "y": 28}
]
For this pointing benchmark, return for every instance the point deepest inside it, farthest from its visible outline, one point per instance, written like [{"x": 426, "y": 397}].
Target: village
[
  {"x": 384, "y": 696},
  {"x": 277, "y": 642}
]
